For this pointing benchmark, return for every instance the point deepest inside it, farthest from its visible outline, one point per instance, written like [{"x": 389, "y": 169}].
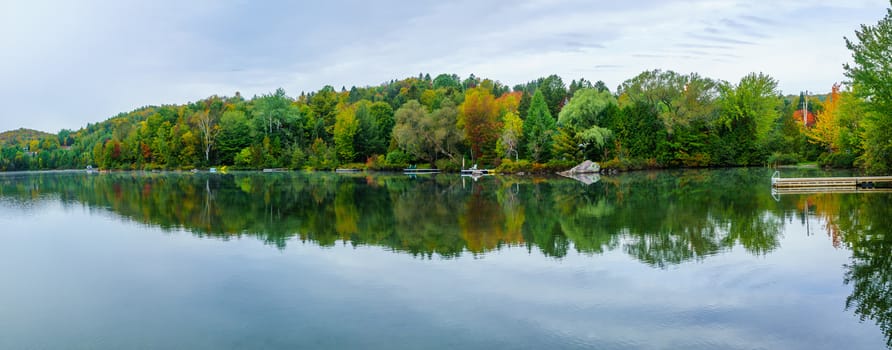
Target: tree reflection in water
[{"x": 661, "y": 219}]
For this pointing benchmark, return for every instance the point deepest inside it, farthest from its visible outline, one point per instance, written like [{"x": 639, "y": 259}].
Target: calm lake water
[{"x": 668, "y": 260}]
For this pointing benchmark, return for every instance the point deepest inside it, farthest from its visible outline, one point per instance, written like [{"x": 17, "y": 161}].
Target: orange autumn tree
[
  {"x": 479, "y": 119},
  {"x": 509, "y": 103},
  {"x": 826, "y": 129}
]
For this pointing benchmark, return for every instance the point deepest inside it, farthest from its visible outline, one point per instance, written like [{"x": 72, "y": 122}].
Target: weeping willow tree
[{"x": 584, "y": 118}]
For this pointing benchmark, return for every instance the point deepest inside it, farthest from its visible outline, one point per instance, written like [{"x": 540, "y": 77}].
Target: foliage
[
  {"x": 586, "y": 115},
  {"x": 509, "y": 166},
  {"x": 479, "y": 119},
  {"x": 827, "y": 129},
  {"x": 425, "y": 135},
  {"x": 783, "y": 159},
  {"x": 566, "y": 146},
  {"x": 676, "y": 99},
  {"x": 512, "y": 132},
  {"x": 23, "y": 137},
  {"x": 872, "y": 81},
  {"x": 656, "y": 119},
  {"x": 749, "y": 110},
  {"x": 345, "y": 130},
  {"x": 554, "y": 91},
  {"x": 872, "y": 54},
  {"x": 538, "y": 129}
]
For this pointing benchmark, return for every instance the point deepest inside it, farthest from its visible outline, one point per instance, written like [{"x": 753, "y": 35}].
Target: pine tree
[{"x": 538, "y": 129}]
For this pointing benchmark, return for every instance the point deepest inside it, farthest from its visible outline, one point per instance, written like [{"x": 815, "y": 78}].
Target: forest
[{"x": 657, "y": 119}]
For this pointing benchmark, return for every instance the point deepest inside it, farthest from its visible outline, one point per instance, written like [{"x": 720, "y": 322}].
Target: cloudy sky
[{"x": 66, "y": 63}]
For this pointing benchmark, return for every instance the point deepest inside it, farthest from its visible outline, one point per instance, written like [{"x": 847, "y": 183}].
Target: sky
[{"x": 64, "y": 64}]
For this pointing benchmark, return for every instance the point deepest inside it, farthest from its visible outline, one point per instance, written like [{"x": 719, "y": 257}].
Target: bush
[
  {"x": 381, "y": 163},
  {"x": 298, "y": 157},
  {"x": 509, "y": 166},
  {"x": 778, "y": 158},
  {"x": 244, "y": 158},
  {"x": 322, "y": 156},
  {"x": 397, "y": 157},
  {"x": 559, "y": 165},
  {"x": 630, "y": 164},
  {"x": 374, "y": 162},
  {"x": 359, "y": 166},
  {"x": 696, "y": 160},
  {"x": 837, "y": 160},
  {"x": 448, "y": 165}
]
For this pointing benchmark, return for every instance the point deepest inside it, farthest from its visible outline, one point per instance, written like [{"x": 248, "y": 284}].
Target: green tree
[
  {"x": 451, "y": 83},
  {"x": 749, "y": 110},
  {"x": 554, "y": 91},
  {"x": 367, "y": 137},
  {"x": 565, "y": 145},
  {"x": 447, "y": 138},
  {"x": 427, "y": 135},
  {"x": 233, "y": 137},
  {"x": 677, "y": 99},
  {"x": 274, "y": 111},
  {"x": 524, "y": 107},
  {"x": 413, "y": 132},
  {"x": 586, "y": 116},
  {"x": 538, "y": 128},
  {"x": 345, "y": 129},
  {"x": 871, "y": 75},
  {"x": 512, "y": 132},
  {"x": 382, "y": 114},
  {"x": 323, "y": 107}
]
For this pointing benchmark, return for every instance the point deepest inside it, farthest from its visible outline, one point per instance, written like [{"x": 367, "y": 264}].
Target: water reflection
[
  {"x": 861, "y": 224},
  {"x": 660, "y": 219}
]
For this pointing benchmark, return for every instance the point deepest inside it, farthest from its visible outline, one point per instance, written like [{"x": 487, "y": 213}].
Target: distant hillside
[{"x": 22, "y": 136}]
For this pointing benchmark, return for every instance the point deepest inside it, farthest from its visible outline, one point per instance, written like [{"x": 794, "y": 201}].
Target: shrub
[
  {"x": 509, "y": 166},
  {"x": 381, "y": 163},
  {"x": 397, "y": 157},
  {"x": 627, "y": 164},
  {"x": 298, "y": 157},
  {"x": 837, "y": 160},
  {"x": 559, "y": 165},
  {"x": 360, "y": 166},
  {"x": 244, "y": 158},
  {"x": 447, "y": 165},
  {"x": 778, "y": 158}
]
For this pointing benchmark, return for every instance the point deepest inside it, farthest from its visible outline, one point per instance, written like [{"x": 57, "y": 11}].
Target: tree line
[{"x": 658, "y": 118}]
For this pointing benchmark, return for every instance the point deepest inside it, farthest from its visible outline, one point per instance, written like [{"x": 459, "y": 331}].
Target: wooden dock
[
  {"x": 416, "y": 171},
  {"x": 829, "y": 182},
  {"x": 813, "y": 190}
]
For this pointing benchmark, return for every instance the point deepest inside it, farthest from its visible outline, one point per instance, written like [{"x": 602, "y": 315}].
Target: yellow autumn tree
[{"x": 826, "y": 129}]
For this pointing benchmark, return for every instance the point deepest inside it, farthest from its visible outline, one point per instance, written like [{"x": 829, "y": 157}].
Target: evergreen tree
[{"x": 538, "y": 128}]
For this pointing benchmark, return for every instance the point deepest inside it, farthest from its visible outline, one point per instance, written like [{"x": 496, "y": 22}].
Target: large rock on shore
[
  {"x": 586, "y": 172},
  {"x": 586, "y": 167}
]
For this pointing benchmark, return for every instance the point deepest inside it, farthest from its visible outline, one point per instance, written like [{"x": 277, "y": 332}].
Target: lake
[{"x": 694, "y": 259}]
